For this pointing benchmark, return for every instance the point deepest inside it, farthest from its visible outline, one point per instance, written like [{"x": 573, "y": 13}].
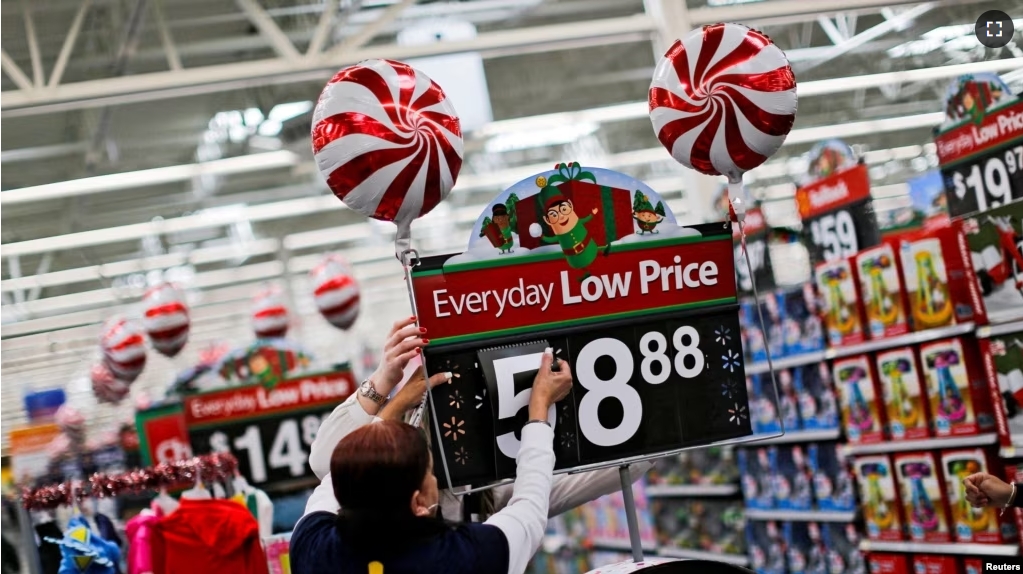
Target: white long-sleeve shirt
[
  {"x": 567, "y": 492},
  {"x": 523, "y": 519}
]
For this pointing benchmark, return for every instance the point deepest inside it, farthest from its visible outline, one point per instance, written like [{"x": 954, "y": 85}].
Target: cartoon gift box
[
  {"x": 882, "y": 292},
  {"x": 572, "y": 210},
  {"x": 903, "y": 391},
  {"x": 841, "y": 310},
  {"x": 879, "y": 493},
  {"x": 861, "y": 405},
  {"x": 923, "y": 496},
  {"x": 983, "y": 525},
  {"x": 957, "y": 387}
]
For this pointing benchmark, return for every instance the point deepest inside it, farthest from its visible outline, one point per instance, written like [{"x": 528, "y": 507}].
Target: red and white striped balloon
[
  {"x": 124, "y": 348},
  {"x": 269, "y": 315},
  {"x": 165, "y": 319},
  {"x": 388, "y": 142},
  {"x": 723, "y": 99},
  {"x": 336, "y": 291},
  {"x": 105, "y": 386}
]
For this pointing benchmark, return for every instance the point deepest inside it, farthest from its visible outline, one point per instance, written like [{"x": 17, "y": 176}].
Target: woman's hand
[
  {"x": 411, "y": 395},
  {"x": 549, "y": 386},
  {"x": 403, "y": 342},
  {"x": 983, "y": 489}
]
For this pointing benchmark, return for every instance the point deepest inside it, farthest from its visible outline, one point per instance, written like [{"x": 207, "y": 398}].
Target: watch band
[{"x": 366, "y": 389}]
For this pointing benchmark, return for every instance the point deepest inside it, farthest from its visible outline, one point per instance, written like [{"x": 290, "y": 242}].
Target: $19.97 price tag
[{"x": 981, "y": 183}]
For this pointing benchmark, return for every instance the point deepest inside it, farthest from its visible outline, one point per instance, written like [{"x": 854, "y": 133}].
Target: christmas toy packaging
[
  {"x": 802, "y": 329},
  {"x": 879, "y": 494},
  {"x": 832, "y": 481},
  {"x": 960, "y": 402},
  {"x": 766, "y": 547},
  {"x": 790, "y": 478},
  {"x": 841, "y": 308},
  {"x": 973, "y": 566},
  {"x": 763, "y": 413},
  {"x": 903, "y": 391},
  {"x": 755, "y": 471},
  {"x": 860, "y": 401},
  {"x": 972, "y": 524},
  {"x": 890, "y": 563},
  {"x": 936, "y": 564},
  {"x": 842, "y": 544},
  {"x": 1003, "y": 363},
  {"x": 940, "y": 283},
  {"x": 923, "y": 496},
  {"x": 788, "y": 401},
  {"x": 818, "y": 406},
  {"x": 802, "y": 554},
  {"x": 882, "y": 292},
  {"x": 753, "y": 336},
  {"x": 995, "y": 242}
]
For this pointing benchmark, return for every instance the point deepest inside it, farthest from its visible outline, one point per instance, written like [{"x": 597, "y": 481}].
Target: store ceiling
[{"x": 142, "y": 83}]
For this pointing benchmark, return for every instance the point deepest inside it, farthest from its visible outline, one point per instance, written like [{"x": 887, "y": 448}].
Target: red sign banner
[
  {"x": 996, "y": 128},
  {"x": 495, "y": 297},
  {"x": 841, "y": 188},
  {"x": 163, "y": 436},
  {"x": 257, "y": 400}
]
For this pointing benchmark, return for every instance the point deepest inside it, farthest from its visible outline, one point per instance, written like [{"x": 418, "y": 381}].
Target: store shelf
[
  {"x": 1011, "y": 452},
  {"x": 901, "y": 341},
  {"x": 800, "y": 436},
  {"x": 760, "y": 367},
  {"x": 922, "y": 444},
  {"x": 932, "y": 548},
  {"x": 691, "y": 490},
  {"x": 999, "y": 329},
  {"x": 736, "y": 559},
  {"x": 618, "y": 545},
  {"x": 801, "y": 515}
]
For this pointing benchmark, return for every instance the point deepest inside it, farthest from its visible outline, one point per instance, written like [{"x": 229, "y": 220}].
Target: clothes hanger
[
  {"x": 198, "y": 492},
  {"x": 165, "y": 502}
]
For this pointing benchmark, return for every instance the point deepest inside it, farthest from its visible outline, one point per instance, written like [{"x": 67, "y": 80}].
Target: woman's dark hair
[{"x": 374, "y": 471}]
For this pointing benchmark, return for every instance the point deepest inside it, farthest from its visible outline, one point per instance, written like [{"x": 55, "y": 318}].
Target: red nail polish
[
  {"x": 419, "y": 351},
  {"x": 422, "y": 329},
  {"x": 426, "y": 341}
]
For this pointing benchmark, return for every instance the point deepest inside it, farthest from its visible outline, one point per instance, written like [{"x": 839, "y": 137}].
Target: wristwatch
[{"x": 366, "y": 389}]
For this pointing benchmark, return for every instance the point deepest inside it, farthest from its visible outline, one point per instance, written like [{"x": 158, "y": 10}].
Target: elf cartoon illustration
[
  {"x": 503, "y": 222},
  {"x": 569, "y": 229},
  {"x": 646, "y": 215}
]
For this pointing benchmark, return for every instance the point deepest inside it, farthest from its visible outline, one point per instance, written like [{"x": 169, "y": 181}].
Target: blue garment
[
  {"x": 84, "y": 552},
  {"x": 316, "y": 548}
]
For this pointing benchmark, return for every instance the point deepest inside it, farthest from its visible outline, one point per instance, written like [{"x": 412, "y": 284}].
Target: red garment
[{"x": 209, "y": 537}]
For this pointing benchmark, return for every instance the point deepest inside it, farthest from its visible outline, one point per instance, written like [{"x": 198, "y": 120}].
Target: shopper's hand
[
  {"x": 983, "y": 489},
  {"x": 411, "y": 395},
  {"x": 403, "y": 342},
  {"x": 549, "y": 386}
]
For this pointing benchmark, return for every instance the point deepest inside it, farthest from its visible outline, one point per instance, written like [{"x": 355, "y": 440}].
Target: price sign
[
  {"x": 650, "y": 330},
  {"x": 982, "y": 161},
  {"x": 757, "y": 250},
  {"x": 269, "y": 430},
  {"x": 838, "y": 215}
]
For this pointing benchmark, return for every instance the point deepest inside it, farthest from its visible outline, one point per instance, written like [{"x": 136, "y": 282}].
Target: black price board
[
  {"x": 269, "y": 430},
  {"x": 838, "y": 215},
  {"x": 655, "y": 355}
]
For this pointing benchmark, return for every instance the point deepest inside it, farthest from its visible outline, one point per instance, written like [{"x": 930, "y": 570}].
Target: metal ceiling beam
[
  {"x": 13, "y": 71},
  {"x": 323, "y": 28},
  {"x": 268, "y": 29},
  {"x": 870, "y": 34},
  {"x": 69, "y": 44},
  {"x": 166, "y": 40},
  {"x": 370, "y": 30},
  {"x": 33, "y": 45}
]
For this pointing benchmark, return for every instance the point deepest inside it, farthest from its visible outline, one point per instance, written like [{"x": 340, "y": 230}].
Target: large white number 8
[
  {"x": 656, "y": 355},
  {"x": 690, "y": 350},
  {"x": 616, "y": 387}
]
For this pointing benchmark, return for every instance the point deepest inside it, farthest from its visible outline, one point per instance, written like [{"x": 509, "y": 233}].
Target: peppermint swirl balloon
[
  {"x": 388, "y": 142},
  {"x": 124, "y": 348},
  {"x": 336, "y": 292},
  {"x": 107, "y": 388},
  {"x": 269, "y": 315},
  {"x": 723, "y": 99},
  {"x": 165, "y": 319}
]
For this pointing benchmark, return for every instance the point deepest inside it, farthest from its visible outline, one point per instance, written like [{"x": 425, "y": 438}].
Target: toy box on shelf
[
  {"x": 705, "y": 466},
  {"x": 879, "y": 494},
  {"x": 960, "y": 400},
  {"x": 803, "y": 554},
  {"x": 766, "y": 547},
  {"x": 1014, "y": 473},
  {"x": 940, "y": 282},
  {"x": 924, "y": 501},
  {"x": 882, "y": 292},
  {"x": 973, "y": 566},
  {"x": 802, "y": 329},
  {"x": 936, "y": 564},
  {"x": 788, "y": 401},
  {"x": 815, "y": 392},
  {"x": 994, "y": 239},
  {"x": 904, "y": 396},
  {"x": 862, "y": 409},
  {"x": 971, "y": 524},
  {"x": 604, "y": 520},
  {"x": 709, "y": 525},
  {"x": 881, "y": 563},
  {"x": 791, "y": 479},
  {"x": 842, "y": 544},
  {"x": 842, "y": 308},
  {"x": 832, "y": 482},
  {"x": 754, "y": 344},
  {"x": 1003, "y": 364},
  {"x": 762, "y": 400},
  {"x": 755, "y": 473}
]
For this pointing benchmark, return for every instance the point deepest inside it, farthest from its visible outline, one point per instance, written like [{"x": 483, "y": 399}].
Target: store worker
[
  {"x": 369, "y": 403},
  {"x": 983, "y": 489},
  {"x": 376, "y": 511}
]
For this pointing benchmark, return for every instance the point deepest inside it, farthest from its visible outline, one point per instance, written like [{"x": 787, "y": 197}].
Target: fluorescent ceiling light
[
  {"x": 956, "y": 38},
  {"x": 560, "y": 135},
  {"x": 147, "y": 177},
  {"x": 286, "y": 111}
]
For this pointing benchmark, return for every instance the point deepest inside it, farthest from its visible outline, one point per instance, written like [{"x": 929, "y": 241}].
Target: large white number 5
[
  {"x": 509, "y": 403},
  {"x": 616, "y": 387}
]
